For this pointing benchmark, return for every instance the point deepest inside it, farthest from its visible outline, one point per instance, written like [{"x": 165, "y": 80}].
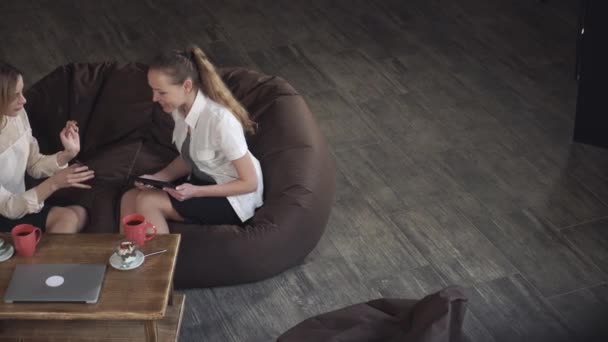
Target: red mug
[
  {"x": 136, "y": 229},
  {"x": 25, "y": 238}
]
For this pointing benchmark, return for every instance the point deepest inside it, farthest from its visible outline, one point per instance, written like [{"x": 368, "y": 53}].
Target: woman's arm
[
  {"x": 176, "y": 169},
  {"x": 64, "y": 157},
  {"x": 40, "y": 165},
  {"x": 246, "y": 182},
  {"x": 16, "y": 205},
  {"x": 72, "y": 176},
  {"x": 70, "y": 139}
]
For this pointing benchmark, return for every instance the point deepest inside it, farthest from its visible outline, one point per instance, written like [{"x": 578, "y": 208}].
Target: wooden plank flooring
[{"x": 450, "y": 122}]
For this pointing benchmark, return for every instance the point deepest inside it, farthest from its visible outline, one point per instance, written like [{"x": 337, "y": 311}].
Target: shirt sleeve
[
  {"x": 232, "y": 138},
  {"x": 40, "y": 165},
  {"x": 15, "y": 206}
]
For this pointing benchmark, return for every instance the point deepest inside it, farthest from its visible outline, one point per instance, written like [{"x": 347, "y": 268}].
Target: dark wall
[{"x": 591, "y": 124}]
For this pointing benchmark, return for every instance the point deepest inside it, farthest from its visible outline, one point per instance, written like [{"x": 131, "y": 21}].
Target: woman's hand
[
  {"x": 183, "y": 192},
  {"x": 72, "y": 176},
  {"x": 70, "y": 139}
]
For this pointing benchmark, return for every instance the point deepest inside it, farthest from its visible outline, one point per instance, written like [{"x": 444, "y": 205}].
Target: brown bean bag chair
[
  {"x": 123, "y": 134},
  {"x": 436, "y": 318}
]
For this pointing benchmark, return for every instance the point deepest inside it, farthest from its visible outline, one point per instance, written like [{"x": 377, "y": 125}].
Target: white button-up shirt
[
  {"x": 19, "y": 153},
  {"x": 217, "y": 138}
]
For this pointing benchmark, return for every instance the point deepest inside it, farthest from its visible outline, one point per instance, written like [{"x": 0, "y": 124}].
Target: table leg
[
  {"x": 151, "y": 331},
  {"x": 170, "y": 302}
]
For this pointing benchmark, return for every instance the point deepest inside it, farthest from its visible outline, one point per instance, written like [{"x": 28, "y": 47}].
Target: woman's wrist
[
  {"x": 45, "y": 189},
  {"x": 201, "y": 191},
  {"x": 52, "y": 183},
  {"x": 65, "y": 156}
]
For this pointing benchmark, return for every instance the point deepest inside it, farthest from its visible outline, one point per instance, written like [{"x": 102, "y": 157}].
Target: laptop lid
[{"x": 55, "y": 283}]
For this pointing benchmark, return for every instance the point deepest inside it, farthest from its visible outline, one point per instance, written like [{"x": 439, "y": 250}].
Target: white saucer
[
  {"x": 7, "y": 254},
  {"x": 116, "y": 261}
]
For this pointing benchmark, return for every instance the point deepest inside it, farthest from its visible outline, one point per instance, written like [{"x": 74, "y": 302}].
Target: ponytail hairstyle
[
  {"x": 194, "y": 64},
  {"x": 8, "y": 83}
]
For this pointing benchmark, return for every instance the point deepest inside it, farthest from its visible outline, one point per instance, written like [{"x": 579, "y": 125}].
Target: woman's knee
[
  {"x": 152, "y": 200},
  {"x": 65, "y": 220},
  {"x": 81, "y": 216},
  {"x": 127, "y": 201}
]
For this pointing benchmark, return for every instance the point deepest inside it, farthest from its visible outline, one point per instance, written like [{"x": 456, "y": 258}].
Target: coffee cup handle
[
  {"x": 150, "y": 236},
  {"x": 38, "y": 233}
]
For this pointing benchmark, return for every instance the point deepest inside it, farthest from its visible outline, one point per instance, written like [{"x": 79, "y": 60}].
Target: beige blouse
[{"x": 19, "y": 153}]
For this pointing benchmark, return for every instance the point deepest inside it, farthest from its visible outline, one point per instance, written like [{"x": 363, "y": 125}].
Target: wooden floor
[{"x": 451, "y": 124}]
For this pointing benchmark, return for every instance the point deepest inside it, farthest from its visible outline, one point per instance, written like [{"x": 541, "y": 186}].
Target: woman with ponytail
[
  {"x": 218, "y": 180},
  {"x": 19, "y": 153}
]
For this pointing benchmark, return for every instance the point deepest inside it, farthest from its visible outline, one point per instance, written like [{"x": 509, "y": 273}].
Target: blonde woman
[
  {"x": 222, "y": 180},
  {"x": 19, "y": 153}
]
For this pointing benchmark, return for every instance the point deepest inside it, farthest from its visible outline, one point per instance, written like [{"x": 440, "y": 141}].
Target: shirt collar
[
  {"x": 198, "y": 106},
  {"x": 200, "y": 101}
]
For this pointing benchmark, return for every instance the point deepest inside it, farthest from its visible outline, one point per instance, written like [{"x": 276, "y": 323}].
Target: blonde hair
[
  {"x": 194, "y": 64},
  {"x": 9, "y": 75}
]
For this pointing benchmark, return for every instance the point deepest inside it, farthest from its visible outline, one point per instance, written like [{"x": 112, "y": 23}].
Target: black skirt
[
  {"x": 205, "y": 210},
  {"x": 35, "y": 219}
]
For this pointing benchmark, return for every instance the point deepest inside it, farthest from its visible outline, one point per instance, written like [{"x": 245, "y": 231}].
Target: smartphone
[{"x": 155, "y": 183}]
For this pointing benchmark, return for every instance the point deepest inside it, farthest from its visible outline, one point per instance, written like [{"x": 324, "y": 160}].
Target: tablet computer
[{"x": 155, "y": 183}]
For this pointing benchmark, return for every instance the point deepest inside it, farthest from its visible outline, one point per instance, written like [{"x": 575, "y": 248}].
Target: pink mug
[
  {"x": 136, "y": 229},
  {"x": 26, "y": 238}
]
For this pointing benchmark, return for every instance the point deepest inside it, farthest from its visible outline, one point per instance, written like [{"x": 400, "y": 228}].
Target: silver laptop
[{"x": 55, "y": 283}]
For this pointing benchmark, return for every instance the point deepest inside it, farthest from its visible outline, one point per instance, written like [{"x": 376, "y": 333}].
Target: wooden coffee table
[{"x": 135, "y": 305}]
